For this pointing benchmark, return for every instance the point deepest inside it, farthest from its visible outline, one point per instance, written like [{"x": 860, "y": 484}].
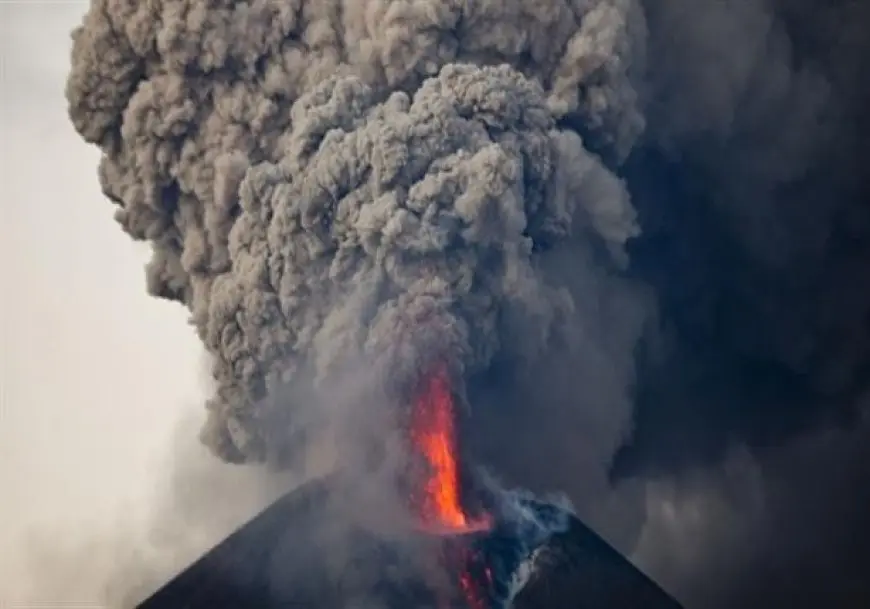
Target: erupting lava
[
  {"x": 434, "y": 438},
  {"x": 438, "y": 501}
]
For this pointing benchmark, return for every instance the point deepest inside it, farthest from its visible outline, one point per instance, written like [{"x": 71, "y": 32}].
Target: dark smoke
[
  {"x": 788, "y": 532},
  {"x": 752, "y": 195},
  {"x": 637, "y": 229}
]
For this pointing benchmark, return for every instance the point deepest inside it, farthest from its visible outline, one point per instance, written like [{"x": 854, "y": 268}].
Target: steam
[{"x": 341, "y": 189}]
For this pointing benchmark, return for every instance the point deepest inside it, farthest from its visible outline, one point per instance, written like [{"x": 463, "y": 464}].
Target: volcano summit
[{"x": 282, "y": 559}]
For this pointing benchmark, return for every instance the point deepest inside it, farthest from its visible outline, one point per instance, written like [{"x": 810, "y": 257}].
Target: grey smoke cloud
[
  {"x": 638, "y": 228},
  {"x": 387, "y": 221},
  {"x": 314, "y": 177}
]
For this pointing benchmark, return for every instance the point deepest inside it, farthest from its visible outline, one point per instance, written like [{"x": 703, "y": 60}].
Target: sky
[{"x": 79, "y": 335}]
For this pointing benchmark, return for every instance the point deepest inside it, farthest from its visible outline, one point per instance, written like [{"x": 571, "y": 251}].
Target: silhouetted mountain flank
[{"x": 291, "y": 556}]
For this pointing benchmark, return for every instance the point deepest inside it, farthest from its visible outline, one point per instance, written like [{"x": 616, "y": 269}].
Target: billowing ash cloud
[
  {"x": 394, "y": 226},
  {"x": 316, "y": 186},
  {"x": 637, "y": 229}
]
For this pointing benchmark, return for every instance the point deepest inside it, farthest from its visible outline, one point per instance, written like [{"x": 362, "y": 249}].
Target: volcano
[
  {"x": 293, "y": 555},
  {"x": 466, "y": 543}
]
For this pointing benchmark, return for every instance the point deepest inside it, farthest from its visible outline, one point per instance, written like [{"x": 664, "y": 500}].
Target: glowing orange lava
[
  {"x": 438, "y": 500},
  {"x": 434, "y": 437}
]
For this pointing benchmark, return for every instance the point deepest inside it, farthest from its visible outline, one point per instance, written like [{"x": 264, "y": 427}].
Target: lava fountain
[{"x": 437, "y": 497}]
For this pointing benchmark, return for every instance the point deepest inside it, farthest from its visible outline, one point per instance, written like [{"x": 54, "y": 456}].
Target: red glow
[
  {"x": 471, "y": 588},
  {"x": 438, "y": 500},
  {"x": 434, "y": 436}
]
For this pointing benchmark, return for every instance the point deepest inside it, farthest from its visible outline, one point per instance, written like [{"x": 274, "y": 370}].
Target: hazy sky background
[{"x": 81, "y": 341}]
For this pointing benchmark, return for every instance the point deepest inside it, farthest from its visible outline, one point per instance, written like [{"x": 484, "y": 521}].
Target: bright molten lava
[
  {"x": 434, "y": 437},
  {"x": 438, "y": 498}
]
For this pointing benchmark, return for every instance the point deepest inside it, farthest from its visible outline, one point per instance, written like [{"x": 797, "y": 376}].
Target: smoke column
[
  {"x": 636, "y": 230},
  {"x": 329, "y": 174}
]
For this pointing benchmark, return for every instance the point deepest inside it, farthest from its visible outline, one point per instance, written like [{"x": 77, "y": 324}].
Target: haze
[{"x": 80, "y": 340}]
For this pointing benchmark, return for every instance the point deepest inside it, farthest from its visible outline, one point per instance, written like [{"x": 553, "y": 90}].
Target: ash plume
[
  {"x": 325, "y": 173},
  {"x": 636, "y": 229}
]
